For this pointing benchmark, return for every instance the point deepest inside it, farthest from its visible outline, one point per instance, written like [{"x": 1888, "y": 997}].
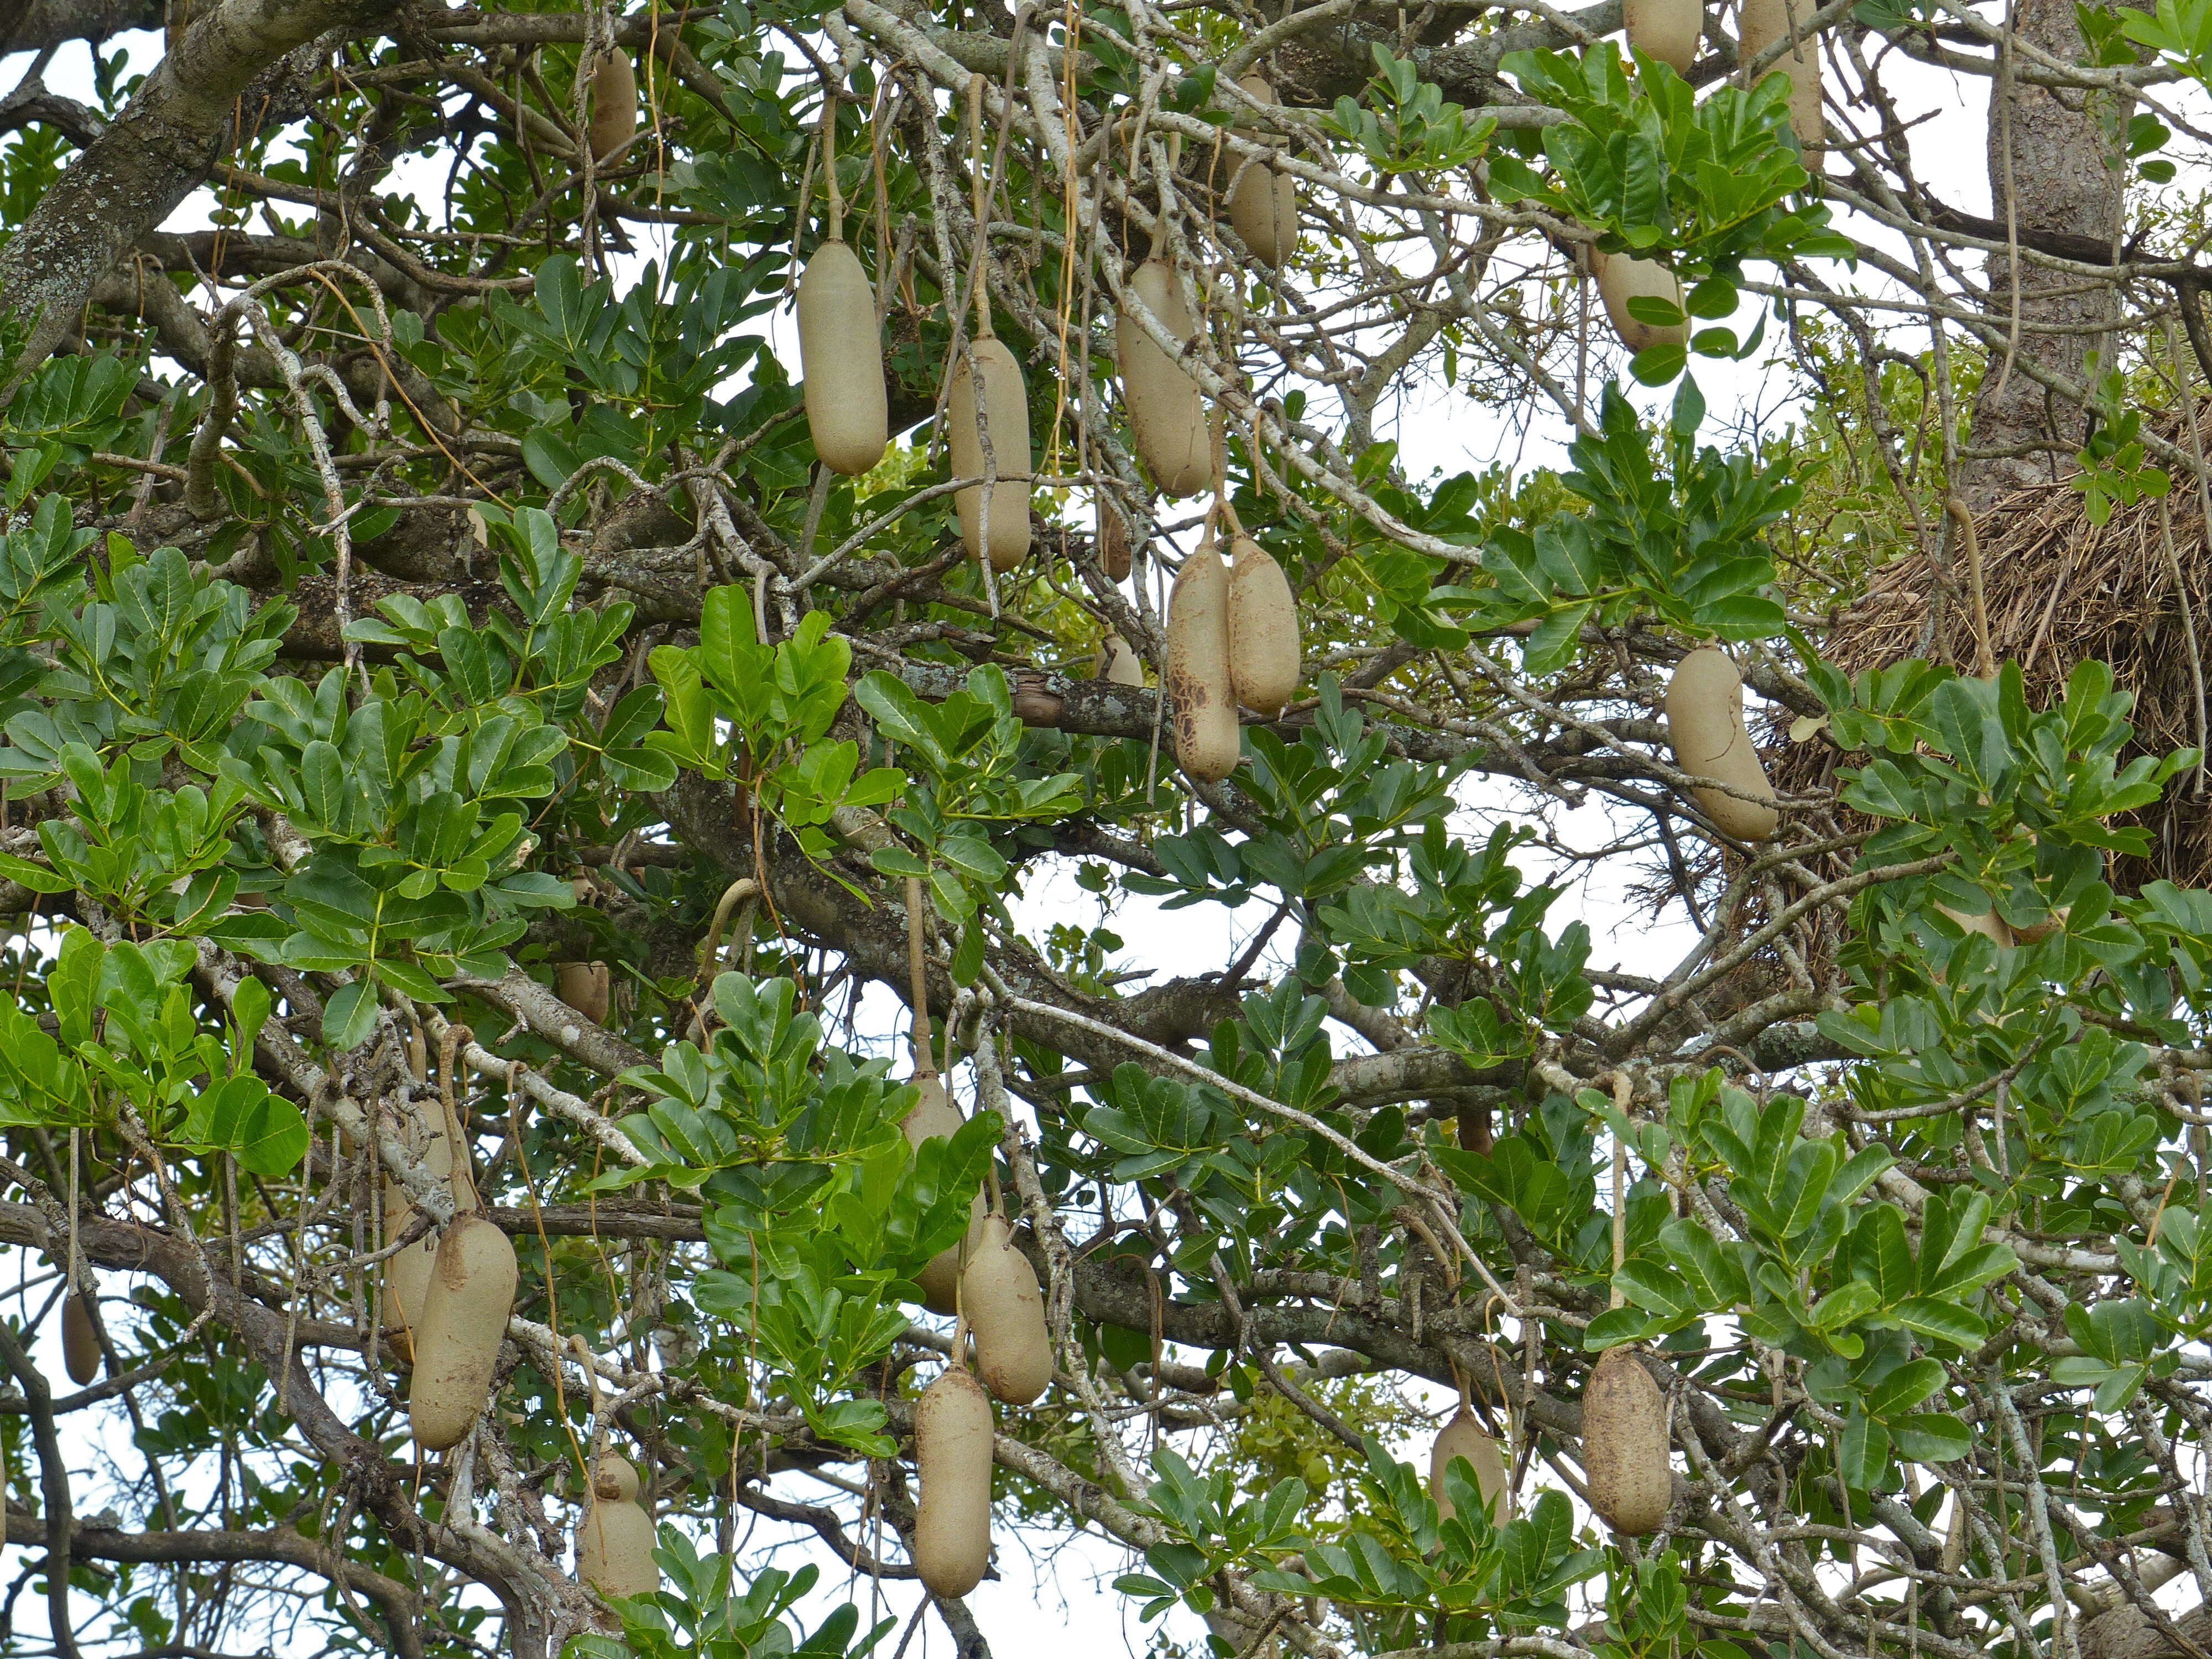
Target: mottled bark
[
  {"x": 2048, "y": 151},
  {"x": 36, "y": 25},
  {"x": 163, "y": 146}
]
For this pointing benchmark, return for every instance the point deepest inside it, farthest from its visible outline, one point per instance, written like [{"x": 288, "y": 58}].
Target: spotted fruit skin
[{"x": 1625, "y": 1444}]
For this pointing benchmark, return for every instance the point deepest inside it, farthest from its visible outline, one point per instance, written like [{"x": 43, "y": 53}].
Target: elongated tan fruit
[
  {"x": 1667, "y": 30},
  {"x": 1167, "y": 413},
  {"x": 1264, "y": 210},
  {"x": 1624, "y": 1443},
  {"x": 1620, "y": 279},
  {"x": 1117, "y": 663},
  {"x": 1006, "y": 412},
  {"x": 952, "y": 1458},
  {"x": 614, "y": 105},
  {"x": 842, "y": 358},
  {"x": 1704, "y": 723},
  {"x": 1762, "y": 24},
  {"x": 456, "y": 1341},
  {"x": 1463, "y": 1437},
  {"x": 615, "y": 1539},
  {"x": 1207, "y": 738},
  {"x": 1989, "y": 924},
  {"x": 80, "y": 1342},
  {"x": 1113, "y": 545},
  {"x": 1954, "y": 1537},
  {"x": 1000, "y": 1295},
  {"x": 935, "y": 1116},
  {"x": 407, "y": 1275},
  {"x": 1263, "y": 630},
  {"x": 584, "y": 986}
]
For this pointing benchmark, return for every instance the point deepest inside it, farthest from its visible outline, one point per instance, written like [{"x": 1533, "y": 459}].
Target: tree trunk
[{"x": 2058, "y": 181}]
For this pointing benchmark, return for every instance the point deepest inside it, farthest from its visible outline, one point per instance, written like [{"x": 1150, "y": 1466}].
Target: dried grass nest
[{"x": 2059, "y": 591}]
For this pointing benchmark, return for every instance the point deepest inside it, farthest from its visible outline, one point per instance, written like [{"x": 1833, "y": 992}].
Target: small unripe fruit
[
  {"x": 1625, "y": 1444},
  {"x": 952, "y": 1460},
  {"x": 1263, "y": 630},
  {"x": 80, "y": 1342},
  {"x": 841, "y": 360},
  {"x": 1704, "y": 724},
  {"x": 586, "y": 987},
  {"x": 1206, "y": 736},
  {"x": 1006, "y": 413},
  {"x": 1113, "y": 545},
  {"x": 1464, "y": 1437},
  {"x": 1167, "y": 413},
  {"x": 1005, "y": 1309},
  {"x": 1117, "y": 663},
  {"x": 456, "y": 1341},
  {"x": 615, "y": 1539},
  {"x": 1620, "y": 279}
]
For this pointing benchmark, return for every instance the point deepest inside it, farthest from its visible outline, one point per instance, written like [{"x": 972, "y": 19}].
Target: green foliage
[
  {"x": 1671, "y": 528},
  {"x": 1649, "y": 166}
]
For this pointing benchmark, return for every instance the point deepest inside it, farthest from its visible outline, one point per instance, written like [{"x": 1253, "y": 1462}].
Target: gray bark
[
  {"x": 2059, "y": 182},
  {"x": 161, "y": 149}
]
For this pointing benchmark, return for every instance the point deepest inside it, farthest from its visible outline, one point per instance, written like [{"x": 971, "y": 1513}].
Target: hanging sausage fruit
[
  {"x": 80, "y": 1341},
  {"x": 1762, "y": 23},
  {"x": 586, "y": 987},
  {"x": 1620, "y": 279},
  {"x": 953, "y": 1460},
  {"x": 1117, "y": 664},
  {"x": 1167, "y": 412},
  {"x": 988, "y": 404},
  {"x": 1207, "y": 740},
  {"x": 1113, "y": 541},
  {"x": 1704, "y": 723},
  {"x": 841, "y": 353},
  {"x": 1667, "y": 30},
  {"x": 1264, "y": 208},
  {"x": 1000, "y": 1300},
  {"x": 464, "y": 1321},
  {"x": 614, "y": 104},
  {"x": 1464, "y": 1437},
  {"x": 615, "y": 1539},
  {"x": 1263, "y": 630},
  {"x": 1625, "y": 1442}
]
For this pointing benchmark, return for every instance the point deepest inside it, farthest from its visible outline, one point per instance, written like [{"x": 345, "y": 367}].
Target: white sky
[{"x": 1070, "y": 1595}]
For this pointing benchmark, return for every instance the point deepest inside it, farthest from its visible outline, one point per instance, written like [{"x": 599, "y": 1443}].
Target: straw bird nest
[{"x": 2060, "y": 590}]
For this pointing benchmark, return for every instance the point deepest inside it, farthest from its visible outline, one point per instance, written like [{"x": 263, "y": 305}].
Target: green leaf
[{"x": 349, "y": 1016}]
